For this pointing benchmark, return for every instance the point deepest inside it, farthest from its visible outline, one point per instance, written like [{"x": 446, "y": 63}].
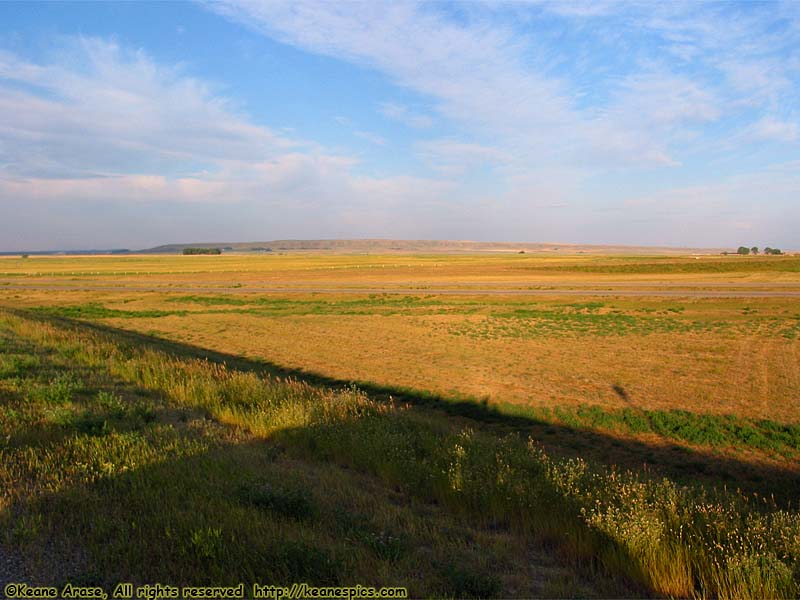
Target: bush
[{"x": 191, "y": 251}]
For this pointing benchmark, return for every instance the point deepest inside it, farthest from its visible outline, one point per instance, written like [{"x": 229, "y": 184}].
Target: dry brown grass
[
  {"x": 753, "y": 376},
  {"x": 729, "y": 357},
  {"x": 746, "y": 364}
]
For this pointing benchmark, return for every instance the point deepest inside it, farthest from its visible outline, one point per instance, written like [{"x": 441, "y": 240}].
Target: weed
[
  {"x": 303, "y": 562},
  {"x": 88, "y": 423},
  {"x": 469, "y": 584},
  {"x": 206, "y": 543},
  {"x": 59, "y": 390},
  {"x": 291, "y": 502}
]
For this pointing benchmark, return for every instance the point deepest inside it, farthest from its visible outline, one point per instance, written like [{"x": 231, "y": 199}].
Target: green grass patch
[
  {"x": 93, "y": 310},
  {"x": 701, "y": 429},
  {"x": 569, "y": 321}
]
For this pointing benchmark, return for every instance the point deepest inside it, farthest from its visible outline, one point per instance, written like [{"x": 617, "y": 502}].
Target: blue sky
[{"x": 135, "y": 124}]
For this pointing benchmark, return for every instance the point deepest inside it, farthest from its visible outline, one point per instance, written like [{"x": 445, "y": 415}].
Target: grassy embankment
[
  {"x": 63, "y": 451},
  {"x": 109, "y": 472}
]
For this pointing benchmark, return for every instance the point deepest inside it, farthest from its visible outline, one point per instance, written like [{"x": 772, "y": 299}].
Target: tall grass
[{"x": 670, "y": 539}]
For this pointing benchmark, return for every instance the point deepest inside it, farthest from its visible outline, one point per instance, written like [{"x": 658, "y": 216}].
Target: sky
[{"x": 128, "y": 125}]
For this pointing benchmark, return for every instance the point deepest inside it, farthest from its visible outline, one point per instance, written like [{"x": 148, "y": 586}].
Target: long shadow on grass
[
  {"x": 661, "y": 457},
  {"x": 244, "y": 512}
]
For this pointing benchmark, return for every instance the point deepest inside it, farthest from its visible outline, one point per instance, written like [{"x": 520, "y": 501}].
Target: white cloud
[
  {"x": 663, "y": 100},
  {"x": 495, "y": 82},
  {"x": 637, "y": 87},
  {"x": 401, "y": 113},
  {"x": 760, "y": 203},
  {"x": 647, "y": 116},
  {"x": 371, "y": 137},
  {"x": 100, "y": 110},
  {"x": 540, "y": 114},
  {"x": 474, "y": 74},
  {"x": 772, "y": 129},
  {"x": 109, "y": 120},
  {"x": 578, "y": 8},
  {"x": 100, "y": 125},
  {"x": 454, "y": 157}
]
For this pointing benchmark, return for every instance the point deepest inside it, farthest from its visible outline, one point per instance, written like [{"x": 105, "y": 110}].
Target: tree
[
  {"x": 743, "y": 250},
  {"x": 192, "y": 251},
  {"x": 754, "y": 250}
]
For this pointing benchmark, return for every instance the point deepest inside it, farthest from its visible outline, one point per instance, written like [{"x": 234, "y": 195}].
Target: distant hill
[
  {"x": 425, "y": 246},
  {"x": 383, "y": 246},
  {"x": 67, "y": 252}
]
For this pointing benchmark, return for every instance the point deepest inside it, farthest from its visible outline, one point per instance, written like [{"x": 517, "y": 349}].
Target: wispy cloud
[
  {"x": 754, "y": 204},
  {"x": 473, "y": 73},
  {"x": 499, "y": 83},
  {"x": 522, "y": 120},
  {"x": 371, "y": 137},
  {"x": 98, "y": 110},
  {"x": 402, "y": 113},
  {"x": 771, "y": 129},
  {"x": 104, "y": 124},
  {"x": 454, "y": 157}
]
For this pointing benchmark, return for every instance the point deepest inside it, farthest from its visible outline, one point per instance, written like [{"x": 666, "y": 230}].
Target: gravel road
[{"x": 583, "y": 291}]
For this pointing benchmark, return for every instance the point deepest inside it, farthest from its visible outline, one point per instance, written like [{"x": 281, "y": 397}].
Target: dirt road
[{"x": 599, "y": 289}]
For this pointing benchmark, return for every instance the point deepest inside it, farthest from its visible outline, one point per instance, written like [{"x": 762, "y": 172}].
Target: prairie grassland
[
  {"x": 713, "y": 379},
  {"x": 403, "y": 270},
  {"x": 108, "y": 476},
  {"x": 572, "y": 407},
  {"x": 174, "y": 472}
]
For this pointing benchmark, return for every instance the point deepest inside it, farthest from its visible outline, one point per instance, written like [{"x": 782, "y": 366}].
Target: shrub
[{"x": 189, "y": 251}]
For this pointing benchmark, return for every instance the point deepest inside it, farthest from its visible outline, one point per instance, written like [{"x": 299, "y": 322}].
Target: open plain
[{"x": 654, "y": 398}]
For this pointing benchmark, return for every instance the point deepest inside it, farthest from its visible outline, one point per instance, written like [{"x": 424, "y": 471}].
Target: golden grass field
[
  {"x": 725, "y": 355},
  {"x": 546, "y": 331},
  {"x": 686, "y": 366}
]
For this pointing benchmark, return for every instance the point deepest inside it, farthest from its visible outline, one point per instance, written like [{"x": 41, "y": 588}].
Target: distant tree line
[
  {"x": 754, "y": 250},
  {"x": 202, "y": 251}
]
